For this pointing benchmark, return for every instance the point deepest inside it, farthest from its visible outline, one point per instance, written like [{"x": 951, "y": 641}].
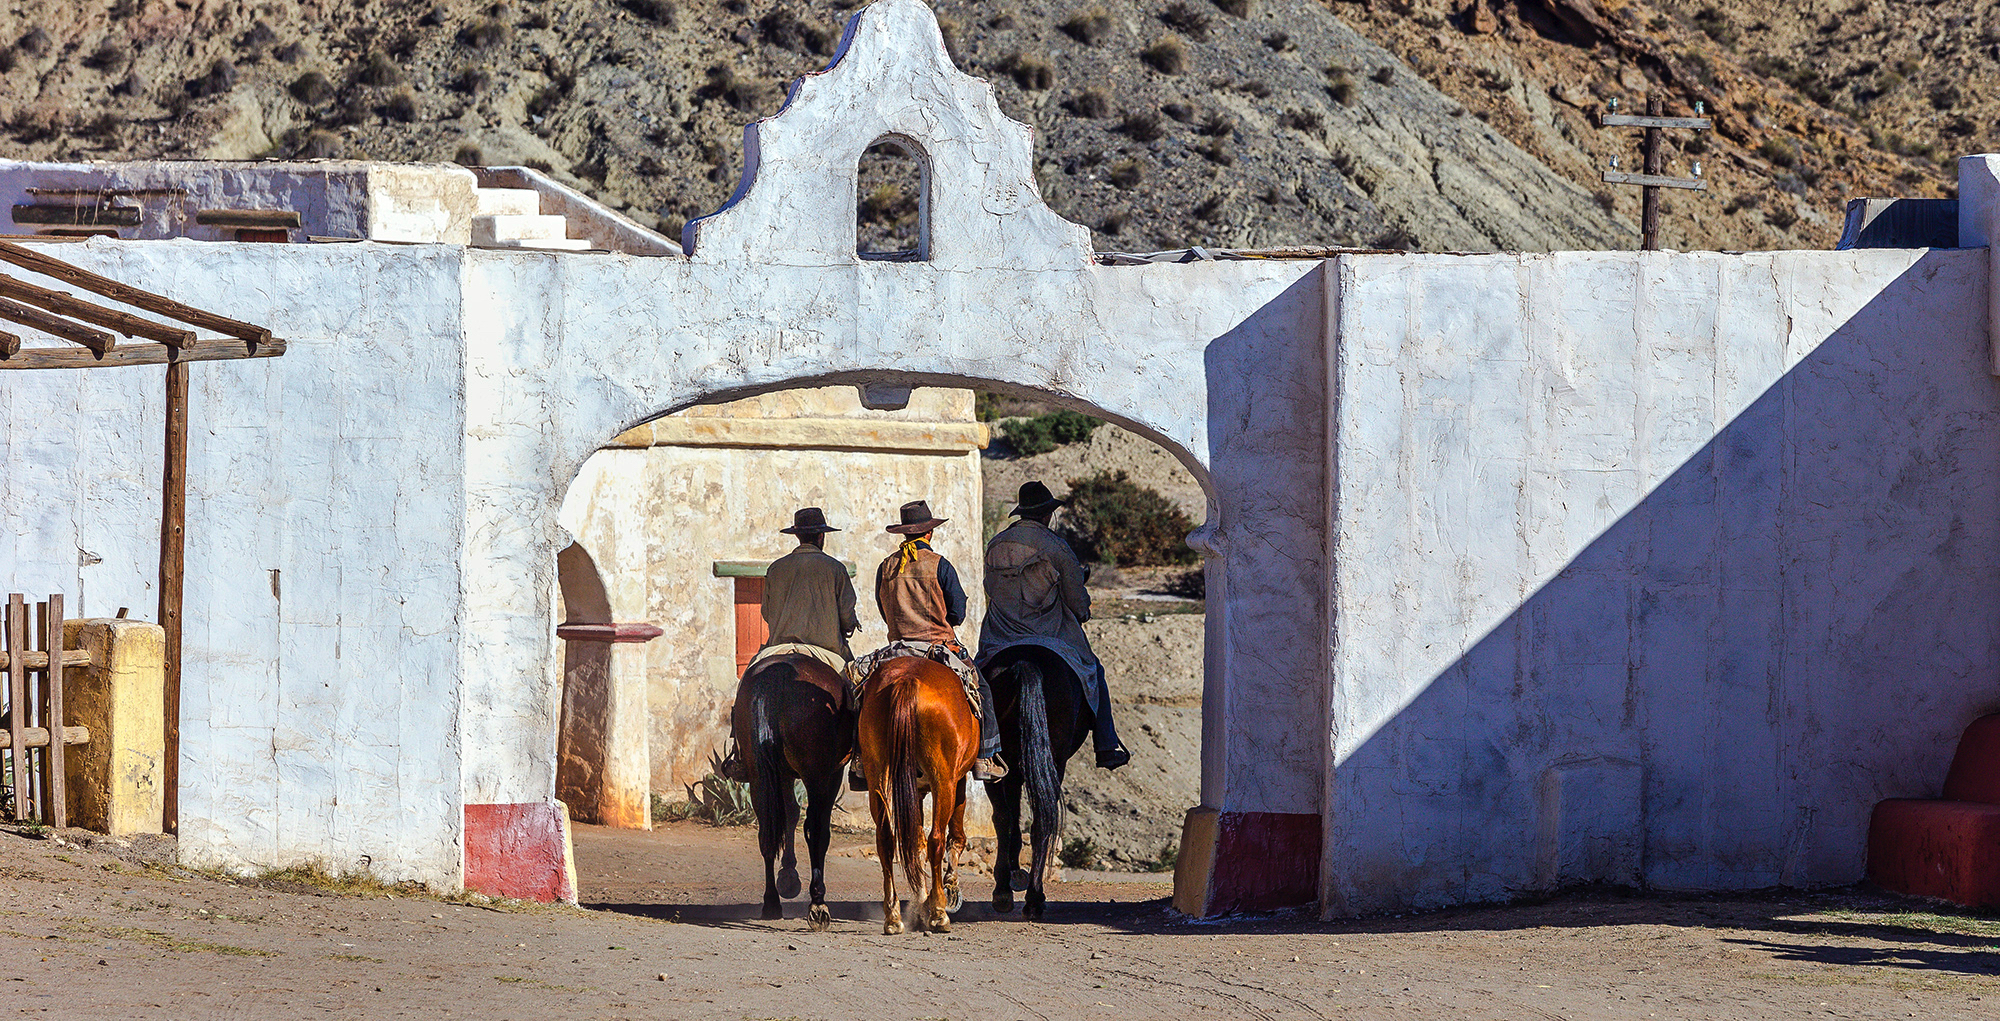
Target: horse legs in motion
[
  {"x": 1043, "y": 721},
  {"x": 792, "y": 722},
  {"x": 917, "y": 733}
]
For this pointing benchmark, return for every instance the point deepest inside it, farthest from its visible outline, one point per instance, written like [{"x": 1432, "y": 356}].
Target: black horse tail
[
  {"x": 906, "y": 801},
  {"x": 764, "y": 752},
  {"x": 1044, "y": 791}
]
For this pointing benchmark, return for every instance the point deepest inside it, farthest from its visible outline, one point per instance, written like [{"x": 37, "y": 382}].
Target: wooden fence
[{"x": 34, "y": 710}]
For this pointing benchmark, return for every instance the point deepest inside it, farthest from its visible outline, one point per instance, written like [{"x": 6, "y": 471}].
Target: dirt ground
[{"x": 669, "y": 931}]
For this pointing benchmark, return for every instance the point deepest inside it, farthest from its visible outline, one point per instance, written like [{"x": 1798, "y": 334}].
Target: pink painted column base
[{"x": 520, "y": 851}]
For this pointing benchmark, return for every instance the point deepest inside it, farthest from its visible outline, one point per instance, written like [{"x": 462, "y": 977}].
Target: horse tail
[
  {"x": 1044, "y": 791},
  {"x": 906, "y": 801},
  {"x": 764, "y": 752}
]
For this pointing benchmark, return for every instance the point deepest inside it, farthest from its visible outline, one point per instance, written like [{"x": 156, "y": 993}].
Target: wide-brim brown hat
[
  {"x": 1035, "y": 498},
  {"x": 808, "y": 521},
  {"x": 917, "y": 519}
]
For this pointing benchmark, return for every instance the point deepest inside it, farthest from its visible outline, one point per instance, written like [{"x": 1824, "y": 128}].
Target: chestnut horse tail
[
  {"x": 906, "y": 801},
  {"x": 1039, "y": 758}
]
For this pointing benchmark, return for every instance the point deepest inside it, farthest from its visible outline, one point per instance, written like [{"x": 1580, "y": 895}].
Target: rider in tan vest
[{"x": 922, "y": 602}]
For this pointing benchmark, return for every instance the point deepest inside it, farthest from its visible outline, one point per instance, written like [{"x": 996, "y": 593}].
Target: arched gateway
[{"x": 1645, "y": 568}]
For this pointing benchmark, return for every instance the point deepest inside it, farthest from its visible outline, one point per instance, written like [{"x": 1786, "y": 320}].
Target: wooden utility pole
[
  {"x": 1654, "y": 177},
  {"x": 173, "y": 560}
]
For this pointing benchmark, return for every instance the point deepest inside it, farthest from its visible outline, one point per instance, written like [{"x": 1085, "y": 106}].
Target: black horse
[
  {"x": 1043, "y": 721},
  {"x": 793, "y": 720}
]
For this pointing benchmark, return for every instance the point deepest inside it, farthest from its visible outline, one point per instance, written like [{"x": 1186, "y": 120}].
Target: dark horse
[
  {"x": 793, "y": 721},
  {"x": 1043, "y": 721}
]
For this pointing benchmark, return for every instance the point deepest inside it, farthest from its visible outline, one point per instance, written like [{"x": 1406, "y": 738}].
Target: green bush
[
  {"x": 1111, "y": 519},
  {"x": 1078, "y": 853},
  {"x": 1043, "y": 433}
]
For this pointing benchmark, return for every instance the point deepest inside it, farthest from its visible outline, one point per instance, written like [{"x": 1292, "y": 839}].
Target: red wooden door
[{"x": 750, "y": 629}]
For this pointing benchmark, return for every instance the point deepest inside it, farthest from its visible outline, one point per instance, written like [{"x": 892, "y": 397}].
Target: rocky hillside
[{"x": 1437, "y": 124}]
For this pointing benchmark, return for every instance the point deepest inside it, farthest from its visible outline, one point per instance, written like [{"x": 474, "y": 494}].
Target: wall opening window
[{"x": 892, "y": 204}]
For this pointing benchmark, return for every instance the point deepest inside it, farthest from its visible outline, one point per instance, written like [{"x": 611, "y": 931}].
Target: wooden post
[
  {"x": 1649, "y": 212},
  {"x": 17, "y": 698},
  {"x": 52, "y": 682},
  {"x": 173, "y": 552}
]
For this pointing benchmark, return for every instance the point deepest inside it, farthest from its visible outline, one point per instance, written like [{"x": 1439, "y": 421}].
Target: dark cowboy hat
[
  {"x": 916, "y": 519},
  {"x": 1036, "y": 498},
  {"x": 808, "y": 521}
]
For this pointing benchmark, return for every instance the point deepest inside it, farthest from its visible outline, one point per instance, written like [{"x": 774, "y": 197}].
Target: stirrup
[
  {"x": 989, "y": 770},
  {"x": 855, "y": 781}
]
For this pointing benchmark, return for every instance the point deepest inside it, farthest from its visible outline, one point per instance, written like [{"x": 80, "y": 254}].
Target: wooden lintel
[
  {"x": 97, "y": 341},
  {"x": 253, "y": 218},
  {"x": 33, "y": 660},
  {"x": 1655, "y": 180},
  {"x": 29, "y": 259},
  {"x": 76, "y": 308},
  {"x": 65, "y": 214},
  {"x": 38, "y": 737},
  {"x": 142, "y": 354},
  {"x": 1627, "y": 120},
  {"x": 9, "y": 343}
]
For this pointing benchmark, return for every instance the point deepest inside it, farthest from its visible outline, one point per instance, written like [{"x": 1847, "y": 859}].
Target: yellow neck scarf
[{"x": 907, "y": 553}]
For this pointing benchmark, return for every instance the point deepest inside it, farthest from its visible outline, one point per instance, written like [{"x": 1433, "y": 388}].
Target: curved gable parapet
[{"x": 890, "y": 77}]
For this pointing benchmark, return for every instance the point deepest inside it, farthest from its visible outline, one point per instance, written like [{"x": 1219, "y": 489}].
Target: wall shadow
[
  {"x": 1796, "y": 623},
  {"x": 586, "y": 688}
]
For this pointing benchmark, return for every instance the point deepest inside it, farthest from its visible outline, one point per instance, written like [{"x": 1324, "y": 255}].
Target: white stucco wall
[{"x": 1652, "y": 569}]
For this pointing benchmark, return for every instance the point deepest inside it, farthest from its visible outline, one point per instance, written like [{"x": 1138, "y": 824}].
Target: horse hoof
[
  {"x": 1003, "y": 901},
  {"x": 773, "y": 911},
  {"x": 1033, "y": 909},
  {"x": 942, "y": 923},
  {"x": 1019, "y": 880},
  {"x": 819, "y": 918},
  {"x": 892, "y": 928},
  {"x": 788, "y": 883}
]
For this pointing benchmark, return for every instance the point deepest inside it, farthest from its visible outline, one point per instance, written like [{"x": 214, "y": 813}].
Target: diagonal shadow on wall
[{"x": 1713, "y": 693}]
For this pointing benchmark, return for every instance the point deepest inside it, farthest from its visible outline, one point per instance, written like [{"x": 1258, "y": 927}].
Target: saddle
[{"x": 968, "y": 675}]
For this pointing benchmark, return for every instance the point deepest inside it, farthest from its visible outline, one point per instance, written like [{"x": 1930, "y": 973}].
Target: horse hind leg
[
  {"x": 953, "y": 848},
  {"x": 819, "y": 833},
  {"x": 788, "y": 873},
  {"x": 1041, "y": 837},
  {"x": 885, "y": 852},
  {"x": 1005, "y": 797}
]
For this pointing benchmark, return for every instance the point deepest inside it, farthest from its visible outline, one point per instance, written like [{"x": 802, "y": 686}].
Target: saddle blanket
[{"x": 968, "y": 675}]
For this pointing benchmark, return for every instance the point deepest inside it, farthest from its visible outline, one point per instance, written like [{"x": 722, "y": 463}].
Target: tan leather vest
[{"x": 912, "y": 602}]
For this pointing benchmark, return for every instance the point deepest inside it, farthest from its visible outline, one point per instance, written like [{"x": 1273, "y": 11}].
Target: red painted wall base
[
  {"x": 1246, "y": 861},
  {"x": 520, "y": 851}
]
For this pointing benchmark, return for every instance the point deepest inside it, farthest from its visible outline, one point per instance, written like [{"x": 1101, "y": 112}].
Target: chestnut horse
[
  {"x": 917, "y": 733},
  {"x": 793, "y": 720},
  {"x": 1043, "y": 721}
]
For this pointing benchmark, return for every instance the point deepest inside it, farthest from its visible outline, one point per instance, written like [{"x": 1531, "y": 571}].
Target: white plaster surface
[
  {"x": 1979, "y": 227},
  {"x": 1652, "y": 569}
]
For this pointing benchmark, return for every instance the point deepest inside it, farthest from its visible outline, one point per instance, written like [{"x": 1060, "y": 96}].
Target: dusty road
[{"x": 88, "y": 935}]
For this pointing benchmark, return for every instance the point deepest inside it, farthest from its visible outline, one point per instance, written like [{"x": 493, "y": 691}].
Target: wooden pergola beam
[
  {"x": 76, "y": 308},
  {"x": 56, "y": 326},
  {"x": 137, "y": 354},
  {"x": 9, "y": 343},
  {"x": 133, "y": 296}
]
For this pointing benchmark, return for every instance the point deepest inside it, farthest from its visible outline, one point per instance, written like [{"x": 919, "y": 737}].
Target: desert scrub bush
[
  {"x": 1113, "y": 224},
  {"x": 401, "y": 106},
  {"x": 1279, "y": 42},
  {"x": 784, "y": 29},
  {"x": 218, "y": 79},
  {"x": 109, "y": 57},
  {"x": 1168, "y": 56},
  {"x": 1092, "y": 103},
  {"x": 1210, "y": 209},
  {"x": 1169, "y": 856},
  {"x": 483, "y": 34},
  {"x": 469, "y": 155},
  {"x": 1217, "y": 151},
  {"x": 1186, "y": 20},
  {"x": 1088, "y": 27},
  {"x": 739, "y": 93},
  {"x": 472, "y": 81},
  {"x": 1384, "y": 75},
  {"x": 1217, "y": 125},
  {"x": 1780, "y": 217},
  {"x": 1339, "y": 84},
  {"x": 311, "y": 88},
  {"x": 660, "y": 12},
  {"x": 1234, "y": 8},
  {"x": 34, "y": 42},
  {"x": 1141, "y": 126},
  {"x": 378, "y": 70},
  {"x": 1717, "y": 26},
  {"x": 1779, "y": 152},
  {"x": 1126, "y": 174},
  {"x": 319, "y": 145},
  {"x": 1078, "y": 853},
  {"x": 1111, "y": 519},
  {"x": 1043, "y": 433},
  {"x": 1032, "y": 74},
  {"x": 1307, "y": 121}
]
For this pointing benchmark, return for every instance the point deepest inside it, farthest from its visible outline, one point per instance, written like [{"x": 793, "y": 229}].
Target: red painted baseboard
[
  {"x": 518, "y": 851},
  {"x": 1944, "y": 849},
  {"x": 1247, "y": 861}
]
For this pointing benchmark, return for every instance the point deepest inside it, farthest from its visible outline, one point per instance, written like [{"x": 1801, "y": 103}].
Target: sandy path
[{"x": 88, "y": 935}]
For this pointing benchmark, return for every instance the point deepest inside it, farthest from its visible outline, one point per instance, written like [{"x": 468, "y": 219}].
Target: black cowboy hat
[
  {"x": 917, "y": 519},
  {"x": 808, "y": 521},
  {"x": 1036, "y": 498}
]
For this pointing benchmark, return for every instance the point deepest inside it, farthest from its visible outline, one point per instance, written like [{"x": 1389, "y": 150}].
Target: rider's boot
[
  {"x": 989, "y": 769},
  {"x": 1111, "y": 752}
]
